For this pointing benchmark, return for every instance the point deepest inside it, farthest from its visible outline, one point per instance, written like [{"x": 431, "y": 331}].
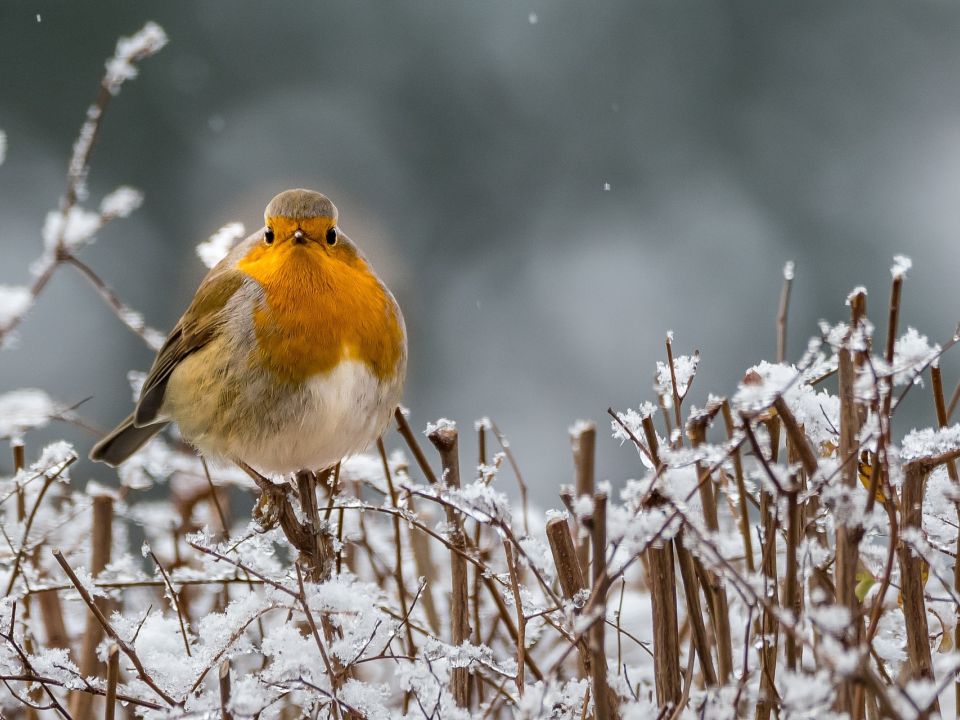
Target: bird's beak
[{"x": 299, "y": 238}]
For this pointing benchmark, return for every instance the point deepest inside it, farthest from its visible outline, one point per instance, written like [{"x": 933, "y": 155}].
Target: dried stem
[
  {"x": 714, "y": 591},
  {"x": 223, "y": 677},
  {"x": 113, "y": 675},
  {"x": 398, "y": 547},
  {"x": 583, "y": 441},
  {"x": 919, "y": 660},
  {"x": 943, "y": 420},
  {"x": 744, "y": 514},
  {"x": 782, "y": 312},
  {"x": 848, "y": 530},
  {"x": 444, "y": 439},
  {"x": 102, "y": 542},
  {"x": 521, "y": 619}
]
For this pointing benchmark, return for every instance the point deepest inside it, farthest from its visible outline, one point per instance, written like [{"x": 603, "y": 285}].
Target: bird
[{"x": 292, "y": 355}]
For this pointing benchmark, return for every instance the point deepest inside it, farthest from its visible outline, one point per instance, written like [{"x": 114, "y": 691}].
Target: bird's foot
[{"x": 272, "y": 502}]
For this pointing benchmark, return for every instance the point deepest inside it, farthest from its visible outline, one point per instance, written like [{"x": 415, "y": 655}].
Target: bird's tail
[{"x": 123, "y": 441}]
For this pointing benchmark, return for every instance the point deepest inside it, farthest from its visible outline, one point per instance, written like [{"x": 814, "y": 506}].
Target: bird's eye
[
  {"x": 268, "y": 236},
  {"x": 332, "y": 236}
]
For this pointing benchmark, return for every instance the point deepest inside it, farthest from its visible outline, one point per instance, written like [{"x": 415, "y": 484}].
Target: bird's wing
[{"x": 199, "y": 325}]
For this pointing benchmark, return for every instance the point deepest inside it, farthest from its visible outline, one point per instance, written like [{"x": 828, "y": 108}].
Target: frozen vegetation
[{"x": 781, "y": 553}]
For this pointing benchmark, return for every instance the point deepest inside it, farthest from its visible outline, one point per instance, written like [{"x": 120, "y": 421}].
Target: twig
[
  {"x": 782, "y": 311},
  {"x": 152, "y": 40},
  {"x": 677, "y": 400},
  {"x": 48, "y": 481},
  {"x": 215, "y": 501},
  {"x": 583, "y": 441},
  {"x": 398, "y": 555},
  {"x": 444, "y": 438},
  {"x": 505, "y": 446},
  {"x": 407, "y": 434},
  {"x": 521, "y": 620},
  {"x": 174, "y": 600},
  {"x": 108, "y": 629},
  {"x": 127, "y": 315},
  {"x": 954, "y": 399},
  {"x": 333, "y": 676},
  {"x": 605, "y": 700}
]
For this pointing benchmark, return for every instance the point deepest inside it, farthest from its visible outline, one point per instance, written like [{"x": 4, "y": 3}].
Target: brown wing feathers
[{"x": 198, "y": 326}]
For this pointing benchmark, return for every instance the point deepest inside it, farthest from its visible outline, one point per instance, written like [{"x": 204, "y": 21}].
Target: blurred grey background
[{"x": 548, "y": 187}]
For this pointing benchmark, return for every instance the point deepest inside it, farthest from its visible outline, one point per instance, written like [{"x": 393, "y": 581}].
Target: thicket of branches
[{"x": 783, "y": 554}]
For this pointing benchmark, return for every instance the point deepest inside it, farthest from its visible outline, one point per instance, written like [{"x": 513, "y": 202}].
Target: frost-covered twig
[
  {"x": 71, "y": 227},
  {"x": 109, "y": 630}
]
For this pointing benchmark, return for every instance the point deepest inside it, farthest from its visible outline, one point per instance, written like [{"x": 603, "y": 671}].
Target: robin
[{"x": 291, "y": 356}]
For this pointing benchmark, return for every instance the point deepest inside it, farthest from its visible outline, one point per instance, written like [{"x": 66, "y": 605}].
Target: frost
[
  {"x": 817, "y": 412},
  {"x": 14, "y": 302},
  {"x": 901, "y": 264},
  {"x": 684, "y": 368},
  {"x": 22, "y": 410},
  {"x": 928, "y": 443},
  {"x": 580, "y": 427},
  {"x": 912, "y": 353},
  {"x": 440, "y": 424},
  {"x": 220, "y": 243},
  {"x": 479, "y": 500},
  {"x": 788, "y": 270},
  {"x": 633, "y": 420},
  {"x": 77, "y": 228},
  {"x": 121, "y": 202},
  {"x": 805, "y": 693},
  {"x": 859, "y": 290},
  {"x": 833, "y": 619},
  {"x": 120, "y": 68},
  {"x": 54, "y": 456},
  {"x": 465, "y": 655}
]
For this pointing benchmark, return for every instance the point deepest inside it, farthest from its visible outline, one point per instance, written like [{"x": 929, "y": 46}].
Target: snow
[
  {"x": 857, "y": 291},
  {"x": 805, "y": 693},
  {"x": 220, "y": 243},
  {"x": 3, "y": 146},
  {"x": 53, "y": 457},
  {"x": 912, "y": 353},
  {"x": 440, "y": 424},
  {"x": 901, "y": 265},
  {"x": 25, "y": 409},
  {"x": 817, "y": 412},
  {"x": 684, "y": 368},
  {"x": 76, "y": 229},
  {"x": 633, "y": 420},
  {"x": 580, "y": 427},
  {"x": 120, "y": 68},
  {"x": 14, "y": 302},
  {"x": 121, "y": 202},
  {"x": 788, "y": 270},
  {"x": 928, "y": 443}
]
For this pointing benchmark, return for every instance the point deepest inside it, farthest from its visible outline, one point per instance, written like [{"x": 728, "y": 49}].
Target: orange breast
[{"x": 321, "y": 307}]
